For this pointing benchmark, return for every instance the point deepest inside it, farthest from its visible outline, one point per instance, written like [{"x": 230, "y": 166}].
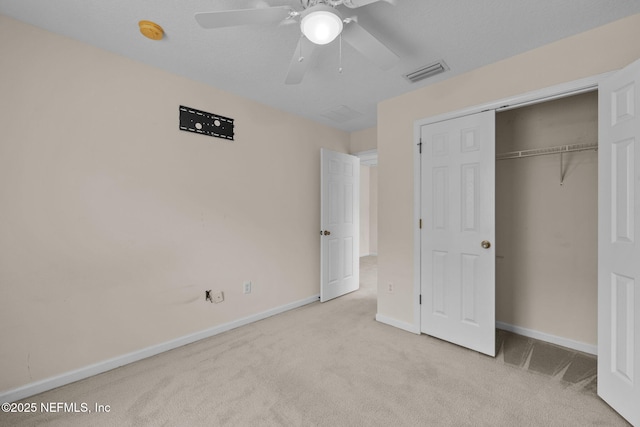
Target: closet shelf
[{"x": 544, "y": 151}]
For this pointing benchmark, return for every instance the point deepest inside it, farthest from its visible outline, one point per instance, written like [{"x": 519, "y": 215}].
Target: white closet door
[
  {"x": 458, "y": 231},
  {"x": 618, "y": 242}
]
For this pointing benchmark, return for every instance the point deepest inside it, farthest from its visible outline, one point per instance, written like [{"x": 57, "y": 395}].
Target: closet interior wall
[{"x": 546, "y": 233}]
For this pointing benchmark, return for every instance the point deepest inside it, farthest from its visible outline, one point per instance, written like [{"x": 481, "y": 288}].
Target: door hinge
[
  {"x": 420, "y": 146},
  {"x": 420, "y": 299},
  {"x": 420, "y": 223}
]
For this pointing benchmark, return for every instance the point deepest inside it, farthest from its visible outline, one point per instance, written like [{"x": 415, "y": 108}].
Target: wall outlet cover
[{"x": 218, "y": 297}]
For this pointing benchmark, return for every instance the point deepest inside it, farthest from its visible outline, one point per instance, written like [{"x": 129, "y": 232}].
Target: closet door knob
[
  {"x": 486, "y": 244},
  {"x": 327, "y": 233}
]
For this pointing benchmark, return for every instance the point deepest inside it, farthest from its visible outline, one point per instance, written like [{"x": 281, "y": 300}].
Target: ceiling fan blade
[
  {"x": 368, "y": 45},
  {"x": 297, "y": 67},
  {"x": 233, "y": 18},
  {"x": 359, "y": 3}
]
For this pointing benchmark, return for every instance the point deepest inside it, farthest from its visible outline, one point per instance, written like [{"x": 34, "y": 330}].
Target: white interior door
[
  {"x": 340, "y": 227},
  {"x": 458, "y": 231},
  {"x": 618, "y": 242}
]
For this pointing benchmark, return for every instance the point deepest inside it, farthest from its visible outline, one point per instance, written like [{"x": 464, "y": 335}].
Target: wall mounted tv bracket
[{"x": 192, "y": 120}]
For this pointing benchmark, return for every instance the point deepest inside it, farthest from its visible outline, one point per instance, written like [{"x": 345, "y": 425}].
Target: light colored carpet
[{"x": 325, "y": 364}]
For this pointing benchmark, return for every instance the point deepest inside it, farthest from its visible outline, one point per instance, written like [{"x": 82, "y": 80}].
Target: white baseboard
[
  {"x": 107, "y": 365},
  {"x": 565, "y": 342},
  {"x": 397, "y": 323}
]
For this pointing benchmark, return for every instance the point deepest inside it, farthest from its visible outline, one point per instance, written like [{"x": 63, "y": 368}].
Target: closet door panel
[
  {"x": 618, "y": 248},
  {"x": 458, "y": 211}
]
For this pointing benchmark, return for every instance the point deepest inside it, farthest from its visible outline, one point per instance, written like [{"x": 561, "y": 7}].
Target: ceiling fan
[{"x": 320, "y": 23}]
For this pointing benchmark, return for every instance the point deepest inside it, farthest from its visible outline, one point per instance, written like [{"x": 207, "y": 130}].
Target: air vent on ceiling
[
  {"x": 341, "y": 114},
  {"x": 427, "y": 71}
]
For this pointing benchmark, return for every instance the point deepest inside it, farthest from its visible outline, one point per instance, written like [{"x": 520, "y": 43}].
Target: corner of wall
[{"x": 363, "y": 140}]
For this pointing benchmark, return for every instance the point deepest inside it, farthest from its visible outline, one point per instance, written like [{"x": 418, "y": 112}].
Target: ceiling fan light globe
[{"x": 321, "y": 26}]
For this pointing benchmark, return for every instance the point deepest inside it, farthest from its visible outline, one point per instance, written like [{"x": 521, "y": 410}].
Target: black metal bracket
[{"x": 192, "y": 120}]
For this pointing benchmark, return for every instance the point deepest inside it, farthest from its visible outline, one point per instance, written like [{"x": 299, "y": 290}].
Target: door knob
[
  {"x": 327, "y": 233},
  {"x": 486, "y": 244}
]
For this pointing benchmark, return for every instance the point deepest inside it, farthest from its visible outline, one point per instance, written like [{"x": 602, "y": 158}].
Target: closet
[
  {"x": 526, "y": 212},
  {"x": 547, "y": 218}
]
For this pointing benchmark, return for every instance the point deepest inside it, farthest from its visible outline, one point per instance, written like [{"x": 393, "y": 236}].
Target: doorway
[
  {"x": 368, "y": 202},
  {"x": 547, "y": 221}
]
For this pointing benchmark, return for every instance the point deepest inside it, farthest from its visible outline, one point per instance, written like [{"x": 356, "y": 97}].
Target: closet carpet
[{"x": 332, "y": 364}]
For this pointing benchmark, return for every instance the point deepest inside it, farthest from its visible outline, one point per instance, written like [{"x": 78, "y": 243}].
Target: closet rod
[{"x": 544, "y": 151}]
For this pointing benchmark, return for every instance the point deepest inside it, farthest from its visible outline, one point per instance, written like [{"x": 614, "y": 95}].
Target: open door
[
  {"x": 340, "y": 224},
  {"x": 618, "y": 242},
  {"x": 458, "y": 231}
]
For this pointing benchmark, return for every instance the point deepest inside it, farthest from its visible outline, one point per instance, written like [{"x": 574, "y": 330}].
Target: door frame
[{"x": 550, "y": 93}]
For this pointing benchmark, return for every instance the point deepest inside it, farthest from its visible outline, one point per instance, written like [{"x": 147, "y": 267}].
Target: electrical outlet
[
  {"x": 218, "y": 297},
  {"x": 390, "y": 288},
  {"x": 246, "y": 287}
]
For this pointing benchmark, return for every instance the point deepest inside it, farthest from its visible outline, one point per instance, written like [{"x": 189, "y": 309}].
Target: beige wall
[
  {"x": 597, "y": 51},
  {"x": 365, "y": 209},
  {"x": 546, "y": 233},
  {"x": 368, "y": 210},
  {"x": 114, "y": 222},
  {"x": 363, "y": 140},
  {"x": 373, "y": 210}
]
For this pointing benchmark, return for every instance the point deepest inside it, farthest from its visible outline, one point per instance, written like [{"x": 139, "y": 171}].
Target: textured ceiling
[{"x": 252, "y": 61}]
